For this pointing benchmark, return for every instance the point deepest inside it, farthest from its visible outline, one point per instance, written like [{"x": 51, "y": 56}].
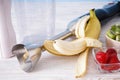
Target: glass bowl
[{"x": 106, "y": 67}]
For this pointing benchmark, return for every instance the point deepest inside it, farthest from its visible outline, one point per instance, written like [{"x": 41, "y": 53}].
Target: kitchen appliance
[{"x": 20, "y": 50}]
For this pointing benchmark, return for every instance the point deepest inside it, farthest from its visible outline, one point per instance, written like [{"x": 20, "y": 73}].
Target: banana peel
[
  {"x": 82, "y": 59},
  {"x": 48, "y": 45},
  {"x": 93, "y": 27},
  {"x": 92, "y": 30},
  {"x": 69, "y": 48}
]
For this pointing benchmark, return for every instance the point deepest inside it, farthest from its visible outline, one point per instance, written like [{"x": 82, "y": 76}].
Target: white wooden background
[{"x": 51, "y": 67}]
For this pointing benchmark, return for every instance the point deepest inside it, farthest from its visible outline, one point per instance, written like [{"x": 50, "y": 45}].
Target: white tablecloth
[{"x": 51, "y": 67}]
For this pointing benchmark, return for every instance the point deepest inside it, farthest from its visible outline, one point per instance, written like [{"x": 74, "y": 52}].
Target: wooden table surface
[{"x": 52, "y": 67}]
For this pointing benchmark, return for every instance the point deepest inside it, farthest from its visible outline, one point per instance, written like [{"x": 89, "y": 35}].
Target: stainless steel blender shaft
[{"x": 28, "y": 57}]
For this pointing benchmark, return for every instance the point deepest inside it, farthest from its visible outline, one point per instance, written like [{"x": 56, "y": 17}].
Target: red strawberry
[
  {"x": 108, "y": 58},
  {"x": 114, "y": 59},
  {"x": 101, "y": 57},
  {"x": 109, "y": 53},
  {"x": 110, "y": 67}
]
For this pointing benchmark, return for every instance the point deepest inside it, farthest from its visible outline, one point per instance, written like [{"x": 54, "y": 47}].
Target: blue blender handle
[{"x": 108, "y": 11}]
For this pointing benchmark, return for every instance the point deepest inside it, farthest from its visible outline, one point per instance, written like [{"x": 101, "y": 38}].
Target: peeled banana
[
  {"x": 80, "y": 26},
  {"x": 92, "y": 42},
  {"x": 62, "y": 47},
  {"x": 70, "y": 48},
  {"x": 87, "y": 32},
  {"x": 65, "y": 48},
  {"x": 76, "y": 46},
  {"x": 92, "y": 30}
]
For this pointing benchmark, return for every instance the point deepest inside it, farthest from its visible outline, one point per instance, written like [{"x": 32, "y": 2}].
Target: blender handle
[{"x": 108, "y": 11}]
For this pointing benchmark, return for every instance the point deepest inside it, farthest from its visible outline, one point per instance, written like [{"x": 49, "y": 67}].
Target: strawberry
[
  {"x": 101, "y": 57},
  {"x": 111, "y": 56},
  {"x": 110, "y": 67},
  {"x": 109, "y": 53},
  {"x": 114, "y": 59}
]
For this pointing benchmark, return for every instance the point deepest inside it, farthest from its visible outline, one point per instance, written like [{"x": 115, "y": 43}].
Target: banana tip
[{"x": 93, "y": 9}]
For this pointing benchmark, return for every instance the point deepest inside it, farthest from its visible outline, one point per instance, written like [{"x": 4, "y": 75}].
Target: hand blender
[{"x": 28, "y": 57}]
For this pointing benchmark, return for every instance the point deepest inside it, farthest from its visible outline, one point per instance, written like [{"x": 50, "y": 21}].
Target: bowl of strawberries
[{"x": 107, "y": 59}]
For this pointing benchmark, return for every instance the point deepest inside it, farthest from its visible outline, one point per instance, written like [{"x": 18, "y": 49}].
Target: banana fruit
[
  {"x": 81, "y": 64},
  {"x": 48, "y": 45},
  {"x": 76, "y": 46},
  {"x": 92, "y": 30},
  {"x": 92, "y": 42},
  {"x": 93, "y": 27},
  {"x": 81, "y": 25},
  {"x": 87, "y": 31},
  {"x": 69, "y": 48}
]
